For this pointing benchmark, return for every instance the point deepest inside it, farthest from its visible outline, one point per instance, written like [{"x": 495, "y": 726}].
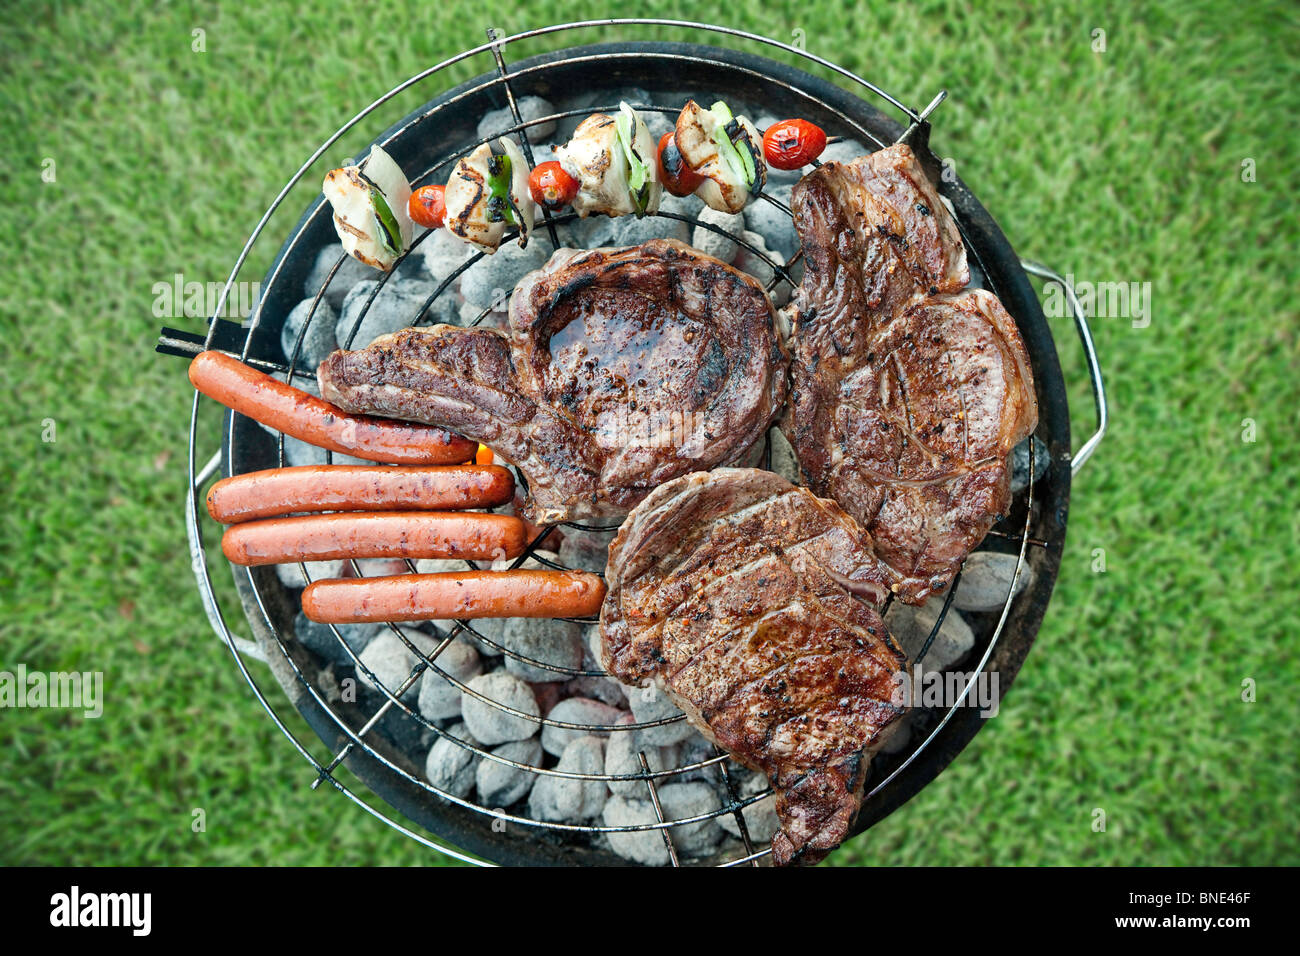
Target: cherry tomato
[
  {"x": 678, "y": 178},
  {"x": 551, "y": 186},
  {"x": 792, "y": 144},
  {"x": 428, "y": 206}
]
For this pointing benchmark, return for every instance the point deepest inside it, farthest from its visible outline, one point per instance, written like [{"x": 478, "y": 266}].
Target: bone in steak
[
  {"x": 907, "y": 393},
  {"x": 737, "y": 594},
  {"x": 620, "y": 369}
]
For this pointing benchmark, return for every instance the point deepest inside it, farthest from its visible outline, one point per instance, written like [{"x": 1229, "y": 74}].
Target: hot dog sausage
[
  {"x": 313, "y": 420},
  {"x": 455, "y": 596},
  {"x": 282, "y": 491},
  {"x": 379, "y": 534}
]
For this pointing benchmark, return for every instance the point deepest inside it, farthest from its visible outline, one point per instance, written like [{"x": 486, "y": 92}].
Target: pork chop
[
  {"x": 751, "y": 603},
  {"x": 907, "y": 393},
  {"x": 619, "y": 369}
]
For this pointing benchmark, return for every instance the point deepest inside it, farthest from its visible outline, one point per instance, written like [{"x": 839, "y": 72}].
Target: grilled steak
[
  {"x": 619, "y": 370},
  {"x": 907, "y": 393},
  {"x": 749, "y": 601}
]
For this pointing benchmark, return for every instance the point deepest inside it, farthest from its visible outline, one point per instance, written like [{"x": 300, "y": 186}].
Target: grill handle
[{"x": 1090, "y": 352}]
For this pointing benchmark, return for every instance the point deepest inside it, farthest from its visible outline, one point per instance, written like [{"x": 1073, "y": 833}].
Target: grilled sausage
[
  {"x": 316, "y": 421},
  {"x": 455, "y": 596},
  {"x": 376, "y": 534},
  {"x": 282, "y": 491}
]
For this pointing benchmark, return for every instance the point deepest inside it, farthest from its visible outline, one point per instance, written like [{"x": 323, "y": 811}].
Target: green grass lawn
[{"x": 1123, "y": 165}]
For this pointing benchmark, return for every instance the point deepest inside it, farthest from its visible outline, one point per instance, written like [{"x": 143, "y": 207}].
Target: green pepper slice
[
  {"x": 638, "y": 175},
  {"x": 390, "y": 234},
  {"x": 725, "y": 134},
  {"x": 500, "y": 208}
]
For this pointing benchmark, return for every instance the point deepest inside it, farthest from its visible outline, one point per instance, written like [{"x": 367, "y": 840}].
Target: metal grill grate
[{"x": 361, "y": 738}]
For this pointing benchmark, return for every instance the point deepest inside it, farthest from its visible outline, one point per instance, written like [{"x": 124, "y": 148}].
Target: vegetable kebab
[{"x": 610, "y": 166}]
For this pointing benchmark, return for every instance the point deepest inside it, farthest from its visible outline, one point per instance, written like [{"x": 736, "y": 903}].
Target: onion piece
[
  {"x": 711, "y": 145},
  {"x": 468, "y": 198},
  {"x": 605, "y": 164},
  {"x": 369, "y": 203}
]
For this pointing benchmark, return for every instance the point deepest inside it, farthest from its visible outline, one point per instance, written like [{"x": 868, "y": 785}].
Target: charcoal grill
[{"x": 428, "y": 142}]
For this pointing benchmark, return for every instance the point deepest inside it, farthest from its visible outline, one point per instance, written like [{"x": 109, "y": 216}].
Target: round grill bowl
[{"x": 429, "y": 139}]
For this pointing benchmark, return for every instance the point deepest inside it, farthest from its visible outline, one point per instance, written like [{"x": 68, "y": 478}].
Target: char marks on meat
[
  {"x": 750, "y": 602},
  {"x": 619, "y": 370},
  {"x": 907, "y": 393}
]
